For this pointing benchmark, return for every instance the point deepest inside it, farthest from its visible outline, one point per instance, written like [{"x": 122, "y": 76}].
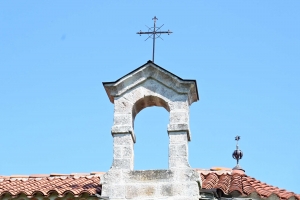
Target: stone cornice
[{"x": 151, "y": 71}]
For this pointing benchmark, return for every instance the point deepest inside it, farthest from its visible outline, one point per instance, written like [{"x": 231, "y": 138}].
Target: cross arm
[
  {"x": 169, "y": 32},
  {"x": 154, "y": 32},
  {"x": 144, "y": 32}
]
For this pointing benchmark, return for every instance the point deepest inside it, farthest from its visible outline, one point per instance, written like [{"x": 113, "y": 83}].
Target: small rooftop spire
[{"x": 237, "y": 154}]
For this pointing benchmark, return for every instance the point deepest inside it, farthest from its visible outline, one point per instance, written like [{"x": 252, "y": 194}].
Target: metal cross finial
[
  {"x": 154, "y": 18},
  {"x": 154, "y": 32}
]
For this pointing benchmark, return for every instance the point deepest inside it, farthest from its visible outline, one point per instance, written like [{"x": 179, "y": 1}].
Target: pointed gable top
[{"x": 151, "y": 70}]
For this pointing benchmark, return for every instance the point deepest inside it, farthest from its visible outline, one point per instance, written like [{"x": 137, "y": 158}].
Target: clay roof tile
[
  {"x": 245, "y": 185},
  {"x": 47, "y": 184},
  {"x": 78, "y": 184}
]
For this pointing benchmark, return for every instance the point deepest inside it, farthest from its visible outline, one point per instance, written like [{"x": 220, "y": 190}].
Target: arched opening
[
  {"x": 148, "y": 101},
  {"x": 151, "y": 147}
]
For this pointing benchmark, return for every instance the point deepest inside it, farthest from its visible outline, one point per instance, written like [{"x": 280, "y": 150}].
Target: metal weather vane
[
  {"x": 237, "y": 154},
  {"x": 154, "y": 32}
]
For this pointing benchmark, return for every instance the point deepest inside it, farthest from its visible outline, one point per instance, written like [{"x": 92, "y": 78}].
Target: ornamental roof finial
[
  {"x": 154, "y": 33},
  {"x": 237, "y": 154}
]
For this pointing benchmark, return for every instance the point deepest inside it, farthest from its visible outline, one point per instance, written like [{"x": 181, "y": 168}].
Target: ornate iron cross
[{"x": 154, "y": 32}]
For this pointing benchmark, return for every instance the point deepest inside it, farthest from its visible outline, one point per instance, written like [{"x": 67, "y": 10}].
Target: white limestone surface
[{"x": 151, "y": 85}]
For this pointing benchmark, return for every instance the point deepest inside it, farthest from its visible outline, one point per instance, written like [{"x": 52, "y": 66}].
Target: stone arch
[
  {"x": 148, "y": 101},
  {"x": 150, "y": 93}
]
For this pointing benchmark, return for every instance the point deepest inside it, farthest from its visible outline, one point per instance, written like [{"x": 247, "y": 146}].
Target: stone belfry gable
[{"x": 151, "y": 85}]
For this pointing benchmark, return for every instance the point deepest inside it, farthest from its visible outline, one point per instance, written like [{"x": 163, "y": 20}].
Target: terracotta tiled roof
[
  {"x": 54, "y": 184},
  {"x": 237, "y": 181},
  {"x": 80, "y": 184}
]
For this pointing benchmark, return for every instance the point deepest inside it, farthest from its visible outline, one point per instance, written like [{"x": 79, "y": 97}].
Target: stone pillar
[
  {"x": 123, "y": 135},
  {"x": 123, "y": 151},
  {"x": 179, "y": 135},
  {"x": 178, "y": 150}
]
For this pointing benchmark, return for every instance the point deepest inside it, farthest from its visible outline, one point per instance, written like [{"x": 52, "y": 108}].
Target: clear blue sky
[{"x": 245, "y": 55}]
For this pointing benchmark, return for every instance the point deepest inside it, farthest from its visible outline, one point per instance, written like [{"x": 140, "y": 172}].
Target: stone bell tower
[{"x": 151, "y": 85}]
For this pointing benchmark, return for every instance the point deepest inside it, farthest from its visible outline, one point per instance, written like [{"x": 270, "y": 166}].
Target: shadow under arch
[{"x": 148, "y": 101}]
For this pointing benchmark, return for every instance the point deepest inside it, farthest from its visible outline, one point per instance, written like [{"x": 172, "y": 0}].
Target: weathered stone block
[
  {"x": 132, "y": 191},
  {"x": 178, "y": 137},
  {"x": 176, "y": 150},
  {"x": 166, "y": 190},
  {"x": 178, "y": 127},
  {"x": 182, "y": 150},
  {"x": 117, "y": 191},
  {"x": 123, "y": 163},
  {"x": 186, "y": 175},
  {"x": 122, "y": 106},
  {"x": 172, "y": 151},
  {"x": 150, "y": 176},
  {"x": 117, "y": 152},
  {"x": 123, "y": 129},
  {"x": 178, "y": 162},
  {"x": 179, "y": 117},
  {"x": 112, "y": 176},
  {"x": 179, "y": 105},
  {"x": 123, "y": 139},
  {"x": 186, "y": 189},
  {"x": 181, "y": 128},
  {"x": 127, "y": 151},
  {"x": 134, "y": 95},
  {"x": 123, "y": 119},
  {"x": 147, "y": 190}
]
